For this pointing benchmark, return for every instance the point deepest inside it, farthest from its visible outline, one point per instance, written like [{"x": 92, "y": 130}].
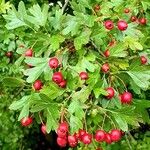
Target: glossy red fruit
[
  {"x": 133, "y": 18},
  {"x": 143, "y": 60},
  {"x": 61, "y": 142},
  {"x": 100, "y": 135},
  {"x": 9, "y": 54},
  {"x": 126, "y": 97},
  {"x": 83, "y": 75},
  {"x": 108, "y": 138},
  {"x": 61, "y": 133},
  {"x": 80, "y": 134},
  {"x": 109, "y": 25},
  {"x": 29, "y": 53},
  {"x": 63, "y": 84},
  {"x": 111, "y": 93},
  {"x": 43, "y": 128},
  {"x": 57, "y": 77},
  {"x": 142, "y": 21},
  {"x": 107, "y": 53},
  {"x": 37, "y": 85},
  {"x": 127, "y": 10},
  {"x": 87, "y": 138},
  {"x": 97, "y": 8},
  {"x": 53, "y": 63},
  {"x": 115, "y": 135},
  {"x": 72, "y": 140},
  {"x": 64, "y": 127},
  {"x": 105, "y": 67},
  {"x": 122, "y": 25},
  {"x": 26, "y": 121}
]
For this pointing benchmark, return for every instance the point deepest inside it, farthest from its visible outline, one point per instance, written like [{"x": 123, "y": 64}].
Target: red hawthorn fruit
[
  {"x": 53, "y": 63},
  {"x": 110, "y": 92},
  {"x": 105, "y": 67},
  {"x": 142, "y": 21},
  {"x": 80, "y": 133},
  {"x": 29, "y": 53},
  {"x": 43, "y": 128},
  {"x": 100, "y": 135},
  {"x": 83, "y": 75},
  {"x": 96, "y": 8},
  {"x": 133, "y": 18},
  {"x": 61, "y": 142},
  {"x": 108, "y": 138},
  {"x": 61, "y": 133},
  {"x": 9, "y": 54},
  {"x": 57, "y": 77},
  {"x": 143, "y": 60},
  {"x": 87, "y": 138},
  {"x": 109, "y": 25},
  {"x": 64, "y": 127},
  {"x": 107, "y": 53},
  {"x": 122, "y": 25},
  {"x": 63, "y": 84},
  {"x": 26, "y": 121},
  {"x": 72, "y": 140},
  {"x": 37, "y": 85},
  {"x": 115, "y": 135},
  {"x": 127, "y": 10},
  {"x": 126, "y": 98}
]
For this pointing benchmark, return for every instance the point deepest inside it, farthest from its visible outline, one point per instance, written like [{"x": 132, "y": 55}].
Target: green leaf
[
  {"x": 19, "y": 104},
  {"x": 13, "y": 82},
  {"x": 55, "y": 41},
  {"x": 82, "y": 39},
  {"x": 52, "y": 91},
  {"x": 121, "y": 122},
  {"x": 35, "y": 72},
  {"x": 52, "y": 114},
  {"x": 36, "y": 61},
  {"x": 24, "y": 112},
  {"x": 75, "y": 124},
  {"x": 99, "y": 91},
  {"x": 82, "y": 95},
  {"x": 75, "y": 107}
]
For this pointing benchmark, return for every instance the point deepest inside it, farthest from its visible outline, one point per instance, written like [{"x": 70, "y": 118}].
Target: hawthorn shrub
[{"x": 83, "y": 70}]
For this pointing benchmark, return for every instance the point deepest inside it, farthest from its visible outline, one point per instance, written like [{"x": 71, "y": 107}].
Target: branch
[{"x": 65, "y": 5}]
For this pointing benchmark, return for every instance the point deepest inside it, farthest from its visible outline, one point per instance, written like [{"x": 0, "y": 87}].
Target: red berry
[
  {"x": 72, "y": 140},
  {"x": 109, "y": 25},
  {"x": 53, "y": 63},
  {"x": 142, "y": 21},
  {"x": 43, "y": 128},
  {"x": 126, "y": 97},
  {"x": 133, "y": 18},
  {"x": 57, "y": 77},
  {"x": 63, "y": 84},
  {"x": 107, "y": 53},
  {"x": 143, "y": 60},
  {"x": 64, "y": 127},
  {"x": 87, "y": 138},
  {"x": 83, "y": 75},
  {"x": 100, "y": 135},
  {"x": 122, "y": 25},
  {"x": 37, "y": 85},
  {"x": 61, "y": 133},
  {"x": 127, "y": 10},
  {"x": 115, "y": 135},
  {"x": 105, "y": 67},
  {"x": 9, "y": 54},
  {"x": 110, "y": 92},
  {"x": 61, "y": 142},
  {"x": 108, "y": 138},
  {"x": 80, "y": 134},
  {"x": 26, "y": 121},
  {"x": 97, "y": 8},
  {"x": 29, "y": 53}
]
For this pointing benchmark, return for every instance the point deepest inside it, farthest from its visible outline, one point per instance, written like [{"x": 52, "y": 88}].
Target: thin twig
[{"x": 65, "y": 5}]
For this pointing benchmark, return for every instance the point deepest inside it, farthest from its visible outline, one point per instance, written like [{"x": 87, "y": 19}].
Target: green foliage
[{"x": 79, "y": 40}]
